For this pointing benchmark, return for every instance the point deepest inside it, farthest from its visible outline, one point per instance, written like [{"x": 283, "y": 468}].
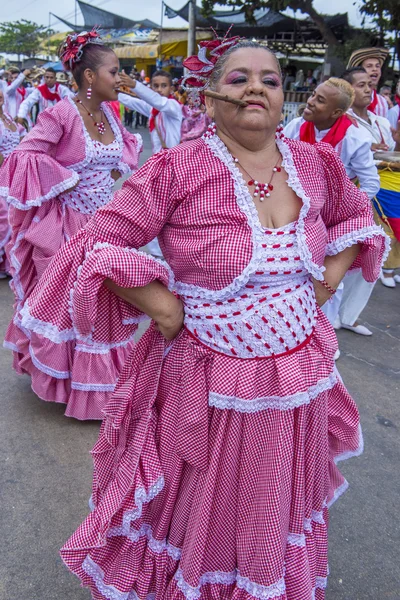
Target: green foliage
[
  {"x": 386, "y": 19},
  {"x": 304, "y": 6},
  {"x": 22, "y": 37}
]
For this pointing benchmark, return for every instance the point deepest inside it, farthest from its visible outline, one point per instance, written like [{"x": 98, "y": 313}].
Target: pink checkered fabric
[
  {"x": 57, "y": 155},
  {"x": 213, "y": 474}
]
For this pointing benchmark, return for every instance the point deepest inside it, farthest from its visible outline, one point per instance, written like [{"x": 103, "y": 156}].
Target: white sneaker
[
  {"x": 336, "y": 355},
  {"x": 360, "y": 329},
  {"x": 396, "y": 278},
  {"x": 389, "y": 282}
]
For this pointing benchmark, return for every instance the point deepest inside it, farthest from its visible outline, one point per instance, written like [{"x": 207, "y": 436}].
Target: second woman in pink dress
[{"x": 61, "y": 174}]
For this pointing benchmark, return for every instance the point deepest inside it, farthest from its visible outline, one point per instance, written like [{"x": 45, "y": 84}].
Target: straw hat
[
  {"x": 358, "y": 56},
  {"x": 62, "y": 77}
]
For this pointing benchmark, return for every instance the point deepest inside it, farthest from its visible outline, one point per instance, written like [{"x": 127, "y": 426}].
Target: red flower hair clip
[
  {"x": 202, "y": 65},
  {"x": 72, "y": 49}
]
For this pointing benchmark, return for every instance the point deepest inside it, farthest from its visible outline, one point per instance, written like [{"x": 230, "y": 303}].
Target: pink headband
[
  {"x": 201, "y": 66},
  {"x": 72, "y": 48}
]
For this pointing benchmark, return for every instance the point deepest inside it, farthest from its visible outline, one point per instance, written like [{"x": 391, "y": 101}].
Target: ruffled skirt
[
  {"x": 62, "y": 371},
  {"x": 213, "y": 475}
]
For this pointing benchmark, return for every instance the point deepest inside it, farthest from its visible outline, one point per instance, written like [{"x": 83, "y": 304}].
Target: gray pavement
[{"x": 45, "y": 475}]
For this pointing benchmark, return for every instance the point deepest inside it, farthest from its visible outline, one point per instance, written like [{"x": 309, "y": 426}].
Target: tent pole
[
  {"x": 191, "y": 47},
  {"x": 161, "y": 32}
]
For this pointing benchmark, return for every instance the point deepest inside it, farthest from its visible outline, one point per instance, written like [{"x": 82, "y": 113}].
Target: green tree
[
  {"x": 22, "y": 37},
  {"x": 385, "y": 16},
  {"x": 304, "y": 6}
]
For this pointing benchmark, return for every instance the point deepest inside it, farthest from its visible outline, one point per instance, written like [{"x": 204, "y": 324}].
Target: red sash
[
  {"x": 48, "y": 95},
  {"x": 22, "y": 91},
  {"x": 154, "y": 113},
  {"x": 334, "y": 135},
  {"x": 374, "y": 103}
]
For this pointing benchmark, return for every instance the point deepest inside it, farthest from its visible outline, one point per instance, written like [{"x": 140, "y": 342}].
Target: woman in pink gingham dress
[
  {"x": 63, "y": 171},
  {"x": 10, "y": 137},
  {"x": 216, "y": 461}
]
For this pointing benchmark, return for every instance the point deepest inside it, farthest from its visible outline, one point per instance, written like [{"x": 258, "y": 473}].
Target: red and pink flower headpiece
[
  {"x": 72, "y": 49},
  {"x": 201, "y": 65}
]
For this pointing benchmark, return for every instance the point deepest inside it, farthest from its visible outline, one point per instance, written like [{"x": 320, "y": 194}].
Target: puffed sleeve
[
  {"x": 347, "y": 214},
  {"x": 31, "y": 175},
  {"x": 70, "y": 299}
]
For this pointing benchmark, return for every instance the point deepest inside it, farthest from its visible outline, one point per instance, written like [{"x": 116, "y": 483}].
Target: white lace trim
[
  {"x": 48, "y": 330},
  {"x": 99, "y": 246},
  {"x": 293, "y": 181},
  {"x": 19, "y": 290},
  {"x": 141, "y": 497},
  {"x": 296, "y": 539},
  {"x": 272, "y": 402},
  {"x": 92, "y": 387},
  {"x": 5, "y": 241},
  {"x": 353, "y": 237},
  {"x": 351, "y": 453},
  {"x": 108, "y": 591},
  {"x": 55, "y": 191},
  {"x": 10, "y": 346},
  {"x": 220, "y": 577},
  {"x": 338, "y": 492},
  {"x": 157, "y": 546},
  {"x": 316, "y": 517},
  {"x": 89, "y": 143},
  {"x": 52, "y": 333},
  {"x": 46, "y": 369},
  {"x": 246, "y": 205}
]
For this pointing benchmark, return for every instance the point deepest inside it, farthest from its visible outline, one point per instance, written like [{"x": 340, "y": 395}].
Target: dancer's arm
[{"x": 156, "y": 301}]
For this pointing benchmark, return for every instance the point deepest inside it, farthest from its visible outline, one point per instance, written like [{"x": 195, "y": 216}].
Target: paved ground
[{"x": 45, "y": 474}]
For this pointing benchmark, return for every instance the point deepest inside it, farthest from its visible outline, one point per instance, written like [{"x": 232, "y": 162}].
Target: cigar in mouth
[{"x": 225, "y": 98}]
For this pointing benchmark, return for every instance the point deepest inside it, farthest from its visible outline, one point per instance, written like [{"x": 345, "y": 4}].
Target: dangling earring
[{"x": 89, "y": 93}]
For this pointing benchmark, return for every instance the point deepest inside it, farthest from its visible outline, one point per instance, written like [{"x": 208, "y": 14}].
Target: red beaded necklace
[
  {"x": 260, "y": 188},
  {"x": 101, "y": 127}
]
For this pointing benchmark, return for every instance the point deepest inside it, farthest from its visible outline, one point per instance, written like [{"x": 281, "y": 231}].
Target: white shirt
[
  {"x": 393, "y": 116},
  {"x": 354, "y": 150},
  {"x": 36, "y": 98},
  {"x": 382, "y": 108},
  {"x": 168, "y": 121},
  {"x": 10, "y": 94},
  {"x": 378, "y": 129}
]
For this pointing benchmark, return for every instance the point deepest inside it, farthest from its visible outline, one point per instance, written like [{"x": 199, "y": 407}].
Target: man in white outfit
[
  {"x": 45, "y": 95},
  {"x": 12, "y": 89},
  {"x": 329, "y": 103},
  {"x": 372, "y": 59},
  {"x": 324, "y": 120},
  {"x": 383, "y": 138},
  {"x": 158, "y": 104},
  {"x": 164, "y": 113}
]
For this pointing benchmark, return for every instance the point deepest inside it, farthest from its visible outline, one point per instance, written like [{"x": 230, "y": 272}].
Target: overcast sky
[{"x": 38, "y": 10}]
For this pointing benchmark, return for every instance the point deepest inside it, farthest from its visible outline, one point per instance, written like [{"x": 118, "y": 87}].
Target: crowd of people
[{"x": 222, "y": 426}]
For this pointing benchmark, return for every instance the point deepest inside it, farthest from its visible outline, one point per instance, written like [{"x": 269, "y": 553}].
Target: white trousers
[
  {"x": 350, "y": 299},
  {"x": 356, "y": 293}
]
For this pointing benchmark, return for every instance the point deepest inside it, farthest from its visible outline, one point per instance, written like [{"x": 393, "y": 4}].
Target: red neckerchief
[
  {"x": 154, "y": 113},
  {"x": 397, "y": 100},
  {"x": 48, "y": 95},
  {"x": 374, "y": 103},
  {"x": 21, "y": 90},
  {"x": 334, "y": 135}
]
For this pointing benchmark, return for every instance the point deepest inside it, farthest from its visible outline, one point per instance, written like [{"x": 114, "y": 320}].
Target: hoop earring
[{"x": 89, "y": 93}]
